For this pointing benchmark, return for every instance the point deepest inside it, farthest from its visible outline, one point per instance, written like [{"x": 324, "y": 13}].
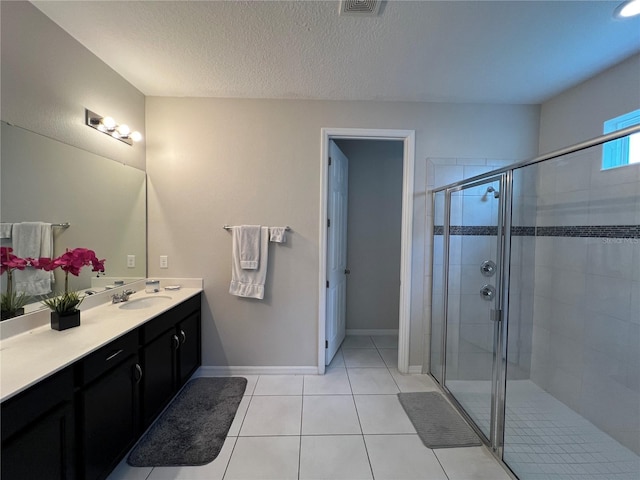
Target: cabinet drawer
[
  {"x": 109, "y": 356},
  {"x": 18, "y": 412}
]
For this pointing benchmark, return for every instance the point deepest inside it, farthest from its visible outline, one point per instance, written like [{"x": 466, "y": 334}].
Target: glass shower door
[{"x": 472, "y": 296}]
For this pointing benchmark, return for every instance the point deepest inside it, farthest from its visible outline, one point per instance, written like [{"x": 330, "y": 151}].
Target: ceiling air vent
[{"x": 362, "y": 8}]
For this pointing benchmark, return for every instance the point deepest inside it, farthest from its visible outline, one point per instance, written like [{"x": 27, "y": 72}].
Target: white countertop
[{"x": 31, "y": 356}]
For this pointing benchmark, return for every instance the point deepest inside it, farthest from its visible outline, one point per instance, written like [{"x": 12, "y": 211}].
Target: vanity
[{"x": 75, "y": 401}]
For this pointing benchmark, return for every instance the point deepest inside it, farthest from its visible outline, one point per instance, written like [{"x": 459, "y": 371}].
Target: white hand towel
[
  {"x": 32, "y": 240},
  {"x": 278, "y": 234},
  {"x": 248, "y": 239},
  {"x": 5, "y": 230},
  {"x": 249, "y": 283}
]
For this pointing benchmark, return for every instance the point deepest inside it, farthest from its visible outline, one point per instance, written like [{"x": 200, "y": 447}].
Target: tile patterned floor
[
  {"x": 346, "y": 424},
  {"x": 545, "y": 439}
]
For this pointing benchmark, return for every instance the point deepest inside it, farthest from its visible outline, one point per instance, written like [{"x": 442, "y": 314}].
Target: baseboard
[
  {"x": 413, "y": 369},
  {"x": 374, "y": 332},
  {"x": 213, "y": 371}
]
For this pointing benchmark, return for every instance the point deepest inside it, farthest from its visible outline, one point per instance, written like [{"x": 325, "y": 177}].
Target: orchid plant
[
  {"x": 11, "y": 302},
  {"x": 71, "y": 262}
]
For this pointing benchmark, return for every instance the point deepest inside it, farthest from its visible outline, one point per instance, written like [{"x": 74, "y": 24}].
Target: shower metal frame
[{"x": 495, "y": 441}]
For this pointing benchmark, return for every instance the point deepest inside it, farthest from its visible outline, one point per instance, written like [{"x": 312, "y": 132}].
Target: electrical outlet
[
  {"x": 164, "y": 261},
  {"x": 131, "y": 261}
]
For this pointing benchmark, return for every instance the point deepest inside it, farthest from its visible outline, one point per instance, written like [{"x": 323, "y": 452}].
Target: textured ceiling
[{"x": 449, "y": 51}]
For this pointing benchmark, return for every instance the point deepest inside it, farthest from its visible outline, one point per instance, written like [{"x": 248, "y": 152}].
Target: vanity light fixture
[
  {"x": 109, "y": 126},
  {"x": 629, "y": 8}
]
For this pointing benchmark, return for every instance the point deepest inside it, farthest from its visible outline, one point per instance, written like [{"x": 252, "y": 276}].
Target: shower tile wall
[
  {"x": 586, "y": 308},
  {"x": 470, "y": 334},
  {"x": 522, "y": 274}
]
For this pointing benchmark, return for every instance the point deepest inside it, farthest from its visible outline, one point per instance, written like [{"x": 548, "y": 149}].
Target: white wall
[
  {"x": 212, "y": 162},
  {"x": 373, "y": 233},
  {"x": 48, "y": 79},
  {"x": 586, "y": 326}
]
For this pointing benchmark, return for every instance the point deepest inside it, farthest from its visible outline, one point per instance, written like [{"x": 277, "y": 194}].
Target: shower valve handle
[
  {"x": 488, "y": 292},
  {"x": 488, "y": 268}
]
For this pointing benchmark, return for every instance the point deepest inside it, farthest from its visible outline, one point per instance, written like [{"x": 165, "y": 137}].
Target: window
[{"x": 624, "y": 151}]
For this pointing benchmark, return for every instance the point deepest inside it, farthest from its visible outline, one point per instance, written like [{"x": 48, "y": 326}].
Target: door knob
[{"x": 347, "y": 271}]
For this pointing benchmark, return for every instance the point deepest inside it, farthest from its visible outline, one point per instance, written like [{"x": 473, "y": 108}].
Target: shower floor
[{"x": 545, "y": 439}]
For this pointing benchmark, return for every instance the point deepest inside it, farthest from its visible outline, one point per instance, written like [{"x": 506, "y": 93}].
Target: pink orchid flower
[
  {"x": 71, "y": 261},
  {"x": 10, "y": 262}
]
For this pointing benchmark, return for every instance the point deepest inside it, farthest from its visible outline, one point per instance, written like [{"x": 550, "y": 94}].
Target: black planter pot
[
  {"x": 66, "y": 320},
  {"x": 6, "y": 315}
]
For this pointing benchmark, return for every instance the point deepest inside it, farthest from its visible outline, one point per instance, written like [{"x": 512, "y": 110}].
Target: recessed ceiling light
[{"x": 627, "y": 9}]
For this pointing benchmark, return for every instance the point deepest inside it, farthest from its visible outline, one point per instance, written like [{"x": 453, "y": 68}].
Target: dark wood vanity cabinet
[
  {"x": 108, "y": 405},
  {"x": 38, "y": 431},
  {"x": 170, "y": 354},
  {"x": 189, "y": 353},
  {"x": 79, "y": 423}
]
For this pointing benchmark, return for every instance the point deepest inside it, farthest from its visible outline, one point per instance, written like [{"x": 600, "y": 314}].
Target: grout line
[
  {"x": 150, "y": 472},
  {"x": 300, "y": 437},
  {"x": 440, "y": 463}
]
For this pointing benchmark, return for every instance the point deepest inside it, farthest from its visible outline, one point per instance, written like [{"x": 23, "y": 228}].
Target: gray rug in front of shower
[
  {"x": 437, "y": 423},
  {"x": 192, "y": 429}
]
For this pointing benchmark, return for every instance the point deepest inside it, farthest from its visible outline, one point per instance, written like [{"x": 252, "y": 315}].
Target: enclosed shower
[{"x": 535, "y": 321}]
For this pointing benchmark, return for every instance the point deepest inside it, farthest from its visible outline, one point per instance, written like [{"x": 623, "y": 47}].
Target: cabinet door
[
  {"x": 158, "y": 379},
  {"x": 189, "y": 358},
  {"x": 110, "y": 418},
  {"x": 45, "y": 449},
  {"x": 38, "y": 431}
]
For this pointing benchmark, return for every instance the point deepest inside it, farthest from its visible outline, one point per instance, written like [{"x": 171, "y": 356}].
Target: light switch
[
  {"x": 131, "y": 261},
  {"x": 164, "y": 261}
]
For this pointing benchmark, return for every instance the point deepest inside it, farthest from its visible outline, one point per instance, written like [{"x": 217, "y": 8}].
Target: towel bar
[{"x": 229, "y": 227}]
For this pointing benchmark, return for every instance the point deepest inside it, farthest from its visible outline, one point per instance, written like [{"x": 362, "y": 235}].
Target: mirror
[{"x": 104, "y": 202}]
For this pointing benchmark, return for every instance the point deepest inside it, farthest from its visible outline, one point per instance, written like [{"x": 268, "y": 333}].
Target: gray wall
[
  {"x": 48, "y": 79},
  {"x": 578, "y": 113},
  {"x": 373, "y": 233},
  {"x": 214, "y": 161}
]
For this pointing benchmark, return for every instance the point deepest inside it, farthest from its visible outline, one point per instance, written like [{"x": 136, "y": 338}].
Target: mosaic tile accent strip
[
  {"x": 597, "y": 231},
  {"x": 467, "y": 230},
  {"x": 523, "y": 231},
  {"x": 584, "y": 231},
  {"x": 481, "y": 230}
]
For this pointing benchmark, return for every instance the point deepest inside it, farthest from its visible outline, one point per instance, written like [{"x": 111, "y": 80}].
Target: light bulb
[
  {"x": 136, "y": 136},
  {"x": 115, "y": 134},
  {"x": 124, "y": 130},
  {"x": 627, "y": 9},
  {"x": 109, "y": 123}
]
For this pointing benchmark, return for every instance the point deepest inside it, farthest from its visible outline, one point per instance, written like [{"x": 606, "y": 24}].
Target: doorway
[{"x": 326, "y": 301}]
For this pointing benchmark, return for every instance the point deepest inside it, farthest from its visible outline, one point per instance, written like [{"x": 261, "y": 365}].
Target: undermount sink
[{"x": 145, "y": 302}]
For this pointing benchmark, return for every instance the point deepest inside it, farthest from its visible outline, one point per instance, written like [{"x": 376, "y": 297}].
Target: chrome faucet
[{"x": 122, "y": 296}]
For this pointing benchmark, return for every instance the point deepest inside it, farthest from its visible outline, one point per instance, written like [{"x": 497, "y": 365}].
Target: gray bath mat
[
  {"x": 437, "y": 423},
  {"x": 193, "y": 428}
]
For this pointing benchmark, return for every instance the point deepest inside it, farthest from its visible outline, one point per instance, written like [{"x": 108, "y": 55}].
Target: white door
[{"x": 336, "y": 251}]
